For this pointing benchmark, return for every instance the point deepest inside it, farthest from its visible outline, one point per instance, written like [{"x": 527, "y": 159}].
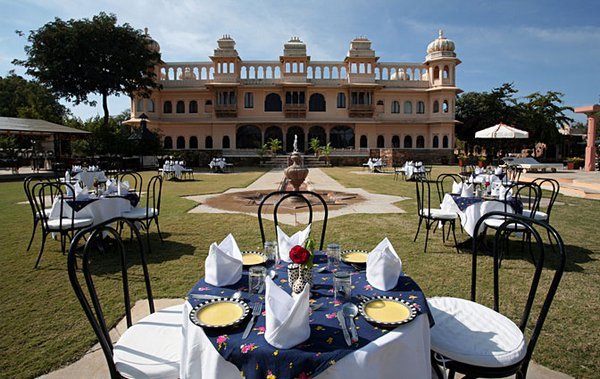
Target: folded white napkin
[
  {"x": 504, "y": 193},
  {"x": 498, "y": 171},
  {"x": 467, "y": 190},
  {"x": 286, "y": 320},
  {"x": 478, "y": 170},
  {"x": 457, "y": 187},
  {"x": 286, "y": 243},
  {"x": 496, "y": 188},
  {"x": 223, "y": 266},
  {"x": 123, "y": 188},
  {"x": 81, "y": 193},
  {"x": 384, "y": 267}
]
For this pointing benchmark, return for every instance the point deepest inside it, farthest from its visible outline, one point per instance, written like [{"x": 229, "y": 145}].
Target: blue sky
[{"x": 538, "y": 45}]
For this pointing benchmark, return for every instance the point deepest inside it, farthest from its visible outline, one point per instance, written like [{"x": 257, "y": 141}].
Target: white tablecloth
[
  {"x": 472, "y": 214},
  {"x": 99, "y": 211},
  {"x": 401, "y": 353},
  {"x": 410, "y": 171},
  {"x": 87, "y": 177}
]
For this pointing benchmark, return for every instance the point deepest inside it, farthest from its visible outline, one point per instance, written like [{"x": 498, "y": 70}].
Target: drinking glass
[
  {"x": 333, "y": 256},
  {"x": 270, "y": 251},
  {"x": 342, "y": 285},
  {"x": 256, "y": 279}
]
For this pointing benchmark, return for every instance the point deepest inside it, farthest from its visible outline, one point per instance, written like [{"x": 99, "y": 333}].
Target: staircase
[{"x": 281, "y": 161}]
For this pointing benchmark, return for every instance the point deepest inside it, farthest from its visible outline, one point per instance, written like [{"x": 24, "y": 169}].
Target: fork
[{"x": 255, "y": 312}]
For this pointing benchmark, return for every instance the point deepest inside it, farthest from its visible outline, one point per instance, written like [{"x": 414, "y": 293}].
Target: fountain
[{"x": 296, "y": 173}]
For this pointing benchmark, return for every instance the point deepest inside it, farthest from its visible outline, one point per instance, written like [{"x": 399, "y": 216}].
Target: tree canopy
[
  {"x": 77, "y": 58},
  {"x": 21, "y": 98}
]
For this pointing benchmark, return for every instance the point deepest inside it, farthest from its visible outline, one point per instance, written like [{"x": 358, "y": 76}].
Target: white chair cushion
[
  {"x": 140, "y": 213},
  {"x": 54, "y": 224},
  {"x": 151, "y": 348},
  {"x": 495, "y": 223},
  {"x": 471, "y": 333},
  {"x": 538, "y": 215},
  {"x": 438, "y": 214}
]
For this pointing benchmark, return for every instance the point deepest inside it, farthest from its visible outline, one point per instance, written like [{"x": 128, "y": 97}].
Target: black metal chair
[
  {"x": 48, "y": 195},
  {"x": 477, "y": 341},
  {"x": 303, "y": 197},
  {"x": 151, "y": 347},
  {"x": 431, "y": 215},
  {"x": 553, "y": 194},
  {"x": 145, "y": 215},
  {"x": 134, "y": 179},
  {"x": 513, "y": 173},
  {"x": 443, "y": 185},
  {"x": 28, "y": 184}
]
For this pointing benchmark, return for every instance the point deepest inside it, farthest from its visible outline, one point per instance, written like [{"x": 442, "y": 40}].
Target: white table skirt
[
  {"x": 472, "y": 214},
  {"x": 100, "y": 210},
  {"x": 87, "y": 177},
  {"x": 410, "y": 171},
  {"x": 401, "y": 353}
]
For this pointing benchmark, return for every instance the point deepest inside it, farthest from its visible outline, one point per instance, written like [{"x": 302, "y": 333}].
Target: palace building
[{"x": 356, "y": 104}]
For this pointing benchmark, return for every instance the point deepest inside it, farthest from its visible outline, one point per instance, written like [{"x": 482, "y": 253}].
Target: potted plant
[
  {"x": 275, "y": 145},
  {"x": 262, "y": 152},
  {"x": 315, "y": 146},
  {"x": 462, "y": 160},
  {"x": 481, "y": 161},
  {"x": 574, "y": 163},
  {"x": 326, "y": 152}
]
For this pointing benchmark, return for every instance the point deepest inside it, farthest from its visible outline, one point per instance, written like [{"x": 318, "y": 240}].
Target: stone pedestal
[{"x": 296, "y": 173}]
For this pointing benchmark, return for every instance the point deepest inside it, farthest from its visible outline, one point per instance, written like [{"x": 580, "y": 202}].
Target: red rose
[{"x": 299, "y": 255}]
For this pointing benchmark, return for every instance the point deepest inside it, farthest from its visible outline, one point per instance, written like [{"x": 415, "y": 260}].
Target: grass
[{"x": 44, "y": 328}]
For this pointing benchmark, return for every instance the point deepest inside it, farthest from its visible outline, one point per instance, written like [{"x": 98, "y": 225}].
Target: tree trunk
[{"x": 105, "y": 108}]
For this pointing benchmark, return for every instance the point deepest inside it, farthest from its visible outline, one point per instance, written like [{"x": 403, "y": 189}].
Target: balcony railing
[
  {"x": 294, "y": 110},
  {"x": 361, "y": 110},
  {"x": 225, "y": 110}
]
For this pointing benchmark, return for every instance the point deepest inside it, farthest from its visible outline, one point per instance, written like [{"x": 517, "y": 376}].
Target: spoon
[
  {"x": 321, "y": 269},
  {"x": 272, "y": 274},
  {"x": 350, "y": 310}
]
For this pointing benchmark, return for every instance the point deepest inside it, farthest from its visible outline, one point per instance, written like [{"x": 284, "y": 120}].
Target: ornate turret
[
  {"x": 226, "y": 47},
  {"x": 294, "y": 48},
  {"x": 440, "y": 47},
  {"x": 152, "y": 44}
]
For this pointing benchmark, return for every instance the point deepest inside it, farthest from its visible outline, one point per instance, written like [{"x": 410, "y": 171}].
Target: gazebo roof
[{"x": 32, "y": 126}]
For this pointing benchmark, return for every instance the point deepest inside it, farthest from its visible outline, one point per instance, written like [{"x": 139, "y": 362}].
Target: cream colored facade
[{"x": 356, "y": 103}]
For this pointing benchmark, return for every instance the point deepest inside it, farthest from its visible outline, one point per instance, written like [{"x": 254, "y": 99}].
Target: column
[{"x": 590, "y": 149}]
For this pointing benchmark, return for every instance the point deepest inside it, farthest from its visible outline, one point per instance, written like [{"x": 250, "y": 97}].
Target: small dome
[
  {"x": 441, "y": 44},
  {"x": 152, "y": 44},
  {"x": 399, "y": 75}
]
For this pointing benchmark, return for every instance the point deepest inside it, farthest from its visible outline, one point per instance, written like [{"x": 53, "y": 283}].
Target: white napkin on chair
[
  {"x": 286, "y": 243},
  {"x": 498, "y": 171},
  {"x": 467, "y": 190},
  {"x": 504, "y": 193},
  {"x": 457, "y": 187},
  {"x": 384, "y": 267},
  {"x": 286, "y": 320},
  {"x": 223, "y": 266}
]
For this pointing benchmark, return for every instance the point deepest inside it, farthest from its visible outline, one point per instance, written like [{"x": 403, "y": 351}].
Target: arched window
[
  {"x": 316, "y": 103},
  {"x": 445, "y": 142},
  {"x": 193, "y": 142},
  {"x": 436, "y": 106},
  {"x": 436, "y": 142},
  {"x": 167, "y": 107},
  {"x": 289, "y": 137},
  {"x": 272, "y": 103},
  {"x": 150, "y": 105},
  {"x": 436, "y": 73},
  {"x": 248, "y": 137},
  {"x": 317, "y": 132},
  {"x": 341, "y": 100},
  {"x": 341, "y": 137},
  {"x": 408, "y": 107},
  {"x": 420, "y": 107},
  {"x": 193, "y": 106},
  {"x": 395, "y": 107},
  {"x": 208, "y": 142},
  {"x": 363, "y": 142},
  {"x": 420, "y": 142},
  {"x": 180, "y": 142},
  {"x": 446, "y": 72},
  {"x": 407, "y": 142},
  {"x": 226, "y": 142},
  {"x": 139, "y": 107},
  {"x": 180, "y": 107},
  {"x": 445, "y": 106},
  {"x": 380, "y": 141},
  {"x": 273, "y": 132},
  {"x": 168, "y": 142},
  {"x": 396, "y": 142}
]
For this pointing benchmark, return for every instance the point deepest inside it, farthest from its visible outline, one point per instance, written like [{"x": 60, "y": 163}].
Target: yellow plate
[
  {"x": 387, "y": 311},
  {"x": 219, "y": 313},
  {"x": 355, "y": 256},
  {"x": 253, "y": 258}
]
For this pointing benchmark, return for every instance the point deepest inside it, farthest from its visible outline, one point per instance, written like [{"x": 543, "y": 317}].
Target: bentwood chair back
[
  {"x": 151, "y": 347},
  {"x": 146, "y": 215},
  {"x": 134, "y": 179},
  {"x": 277, "y": 198},
  {"x": 28, "y": 184},
  {"x": 499, "y": 347},
  {"x": 444, "y": 183},
  {"x": 552, "y": 194}
]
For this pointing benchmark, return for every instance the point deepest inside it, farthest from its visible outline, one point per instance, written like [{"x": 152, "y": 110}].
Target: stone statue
[{"x": 295, "y": 143}]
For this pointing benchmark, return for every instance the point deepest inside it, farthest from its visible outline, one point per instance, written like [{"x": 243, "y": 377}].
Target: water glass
[
  {"x": 342, "y": 285},
  {"x": 270, "y": 251},
  {"x": 333, "y": 256},
  {"x": 256, "y": 279}
]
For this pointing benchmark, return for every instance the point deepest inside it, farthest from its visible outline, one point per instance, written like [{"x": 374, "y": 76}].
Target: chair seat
[
  {"x": 78, "y": 223},
  {"x": 471, "y": 333},
  {"x": 140, "y": 213},
  {"x": 538, "y": 214},
  {"x": 47, "y": 212},
  {"x": 152, "y": 347},
  {"x": 437, "y": 213},
  {"x": 495, "y": 223}
]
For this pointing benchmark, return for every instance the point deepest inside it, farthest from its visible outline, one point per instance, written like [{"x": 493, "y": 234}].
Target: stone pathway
[{"x": 373, "y": 203}]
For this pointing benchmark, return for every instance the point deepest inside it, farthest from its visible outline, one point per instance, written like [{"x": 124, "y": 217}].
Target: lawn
[{"x": 43, "y": 326}]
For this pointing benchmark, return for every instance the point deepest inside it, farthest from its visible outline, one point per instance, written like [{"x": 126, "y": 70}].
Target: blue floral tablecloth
[
  {"x": 78, "y": 205},
  {"x": 257, "y": 359}
]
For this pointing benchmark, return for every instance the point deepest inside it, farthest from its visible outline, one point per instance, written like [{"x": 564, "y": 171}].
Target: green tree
[
  {"x": 21, "y": 98},
  {"x": 542, "y": 115},
  {"x": 77, "y": 58},
  {"x": 275, "y": 145},
  {"x": 315, "y": 146}
]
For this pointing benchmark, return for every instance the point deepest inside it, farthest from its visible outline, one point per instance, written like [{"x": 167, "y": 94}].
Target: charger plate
[
  {"x": 252, "y": 258},
  {"x": 219, "y": 313},
  {"x": 387, "y": 310},
  {"x": 355, "y": 256}
]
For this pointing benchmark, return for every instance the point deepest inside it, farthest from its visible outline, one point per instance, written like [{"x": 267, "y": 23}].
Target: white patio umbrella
[{"x": 502, "y": 131}]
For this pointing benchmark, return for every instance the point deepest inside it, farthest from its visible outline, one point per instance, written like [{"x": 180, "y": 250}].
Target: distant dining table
[
  {"x": 400, "y": 352},
  {"x": 88, "y": 177}
]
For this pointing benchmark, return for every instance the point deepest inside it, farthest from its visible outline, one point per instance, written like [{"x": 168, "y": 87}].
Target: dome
[
  {"x": 441, "y": 45},
  {"x": 152, "y": 44},
  {"x": 400, "y": 75}
]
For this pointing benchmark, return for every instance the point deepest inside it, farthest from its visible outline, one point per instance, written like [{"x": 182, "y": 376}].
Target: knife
[
  {"x": 204, "y": 297},
  {"x": 340, "y": 316}
]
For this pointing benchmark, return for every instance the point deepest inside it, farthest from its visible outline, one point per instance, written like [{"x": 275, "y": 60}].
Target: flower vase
[{"x": 298, "y": 276}]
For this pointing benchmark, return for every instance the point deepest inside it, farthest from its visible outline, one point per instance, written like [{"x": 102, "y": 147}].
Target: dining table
[
  {"x": 401, "y": 351},
  {"x": 98, "y": 208},
  {"x": 88, "y": 177}
]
